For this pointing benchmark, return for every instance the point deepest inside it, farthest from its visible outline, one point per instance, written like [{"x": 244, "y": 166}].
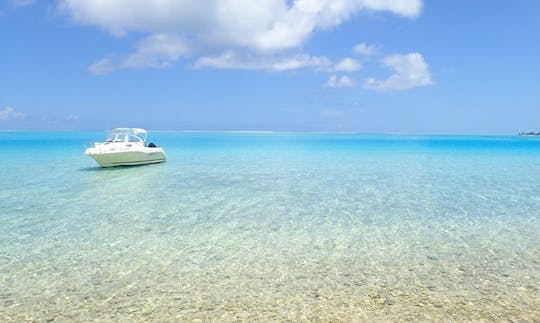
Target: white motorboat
[{"x": 126, "y": 146}]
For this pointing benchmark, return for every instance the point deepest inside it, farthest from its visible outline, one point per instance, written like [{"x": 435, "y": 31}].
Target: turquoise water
[{"x": 272, "y": 226}]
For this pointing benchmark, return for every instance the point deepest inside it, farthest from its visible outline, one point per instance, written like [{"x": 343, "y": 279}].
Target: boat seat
[{"x": 152, "y": 145}]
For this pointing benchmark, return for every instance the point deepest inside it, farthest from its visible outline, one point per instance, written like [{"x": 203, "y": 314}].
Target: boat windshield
[
  {"x": 127, "y": 135},
  {"x": 123, "y": 138}
]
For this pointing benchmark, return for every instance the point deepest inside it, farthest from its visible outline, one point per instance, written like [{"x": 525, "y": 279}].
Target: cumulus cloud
[
  {"x": 410, "y": 71},
  {"x": 235, "y": 60},
  {"x": 347, "y": 65},
  {"x": 340, "y": 82},
  {"x": 207, "y": 27},
  {"x": 156, "y": 51},
  {"x": 276, "y": 62},
  {"x": 364, "y": 49},
  {"x": 8, "y": 113}
]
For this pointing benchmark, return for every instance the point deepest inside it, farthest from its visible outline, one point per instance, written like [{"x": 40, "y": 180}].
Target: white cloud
[
  {"x": 410, "y": 71},
  {"x": 8, "y": 113},
  {"x": 276, "y": 62},
  {"x": 156, "y": 51},
  {"x": 364, "y": 49},
  {"x": 234, "y": 60},
  {"x": 340, "y": 82},
  {"x": 208, "y": 27},
  {"x": 300, "y": 61},
  {"x": 347, "y": 65}
]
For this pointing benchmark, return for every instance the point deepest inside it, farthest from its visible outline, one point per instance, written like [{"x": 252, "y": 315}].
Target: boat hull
[{"x": 127, "y": 158}]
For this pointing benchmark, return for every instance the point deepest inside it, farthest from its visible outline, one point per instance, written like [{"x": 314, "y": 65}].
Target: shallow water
[{"x": 251, "y": 226}]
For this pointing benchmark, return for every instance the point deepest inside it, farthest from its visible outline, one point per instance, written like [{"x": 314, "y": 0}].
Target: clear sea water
[{"x": 272, "y": 226}]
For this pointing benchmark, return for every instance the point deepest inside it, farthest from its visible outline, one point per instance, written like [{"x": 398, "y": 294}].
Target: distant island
[{"x": 529, "y": 133}]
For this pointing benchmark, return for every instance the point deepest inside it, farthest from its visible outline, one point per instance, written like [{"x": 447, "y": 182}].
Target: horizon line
[{"x": 281, "y": 131}]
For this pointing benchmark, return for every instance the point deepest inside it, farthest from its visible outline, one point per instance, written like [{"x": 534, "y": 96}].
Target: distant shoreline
[{"x": 298, "y": 132}]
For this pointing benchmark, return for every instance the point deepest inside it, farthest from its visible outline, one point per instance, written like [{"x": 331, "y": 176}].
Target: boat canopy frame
[{"x": 129, "y": 132}]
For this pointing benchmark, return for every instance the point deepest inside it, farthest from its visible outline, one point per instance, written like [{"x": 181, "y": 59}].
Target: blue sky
[{"x": 309, "y": 65}]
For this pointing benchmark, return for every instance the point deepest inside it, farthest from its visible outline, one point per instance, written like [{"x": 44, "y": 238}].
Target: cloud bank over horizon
[{"x": 9, "y": 113}]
